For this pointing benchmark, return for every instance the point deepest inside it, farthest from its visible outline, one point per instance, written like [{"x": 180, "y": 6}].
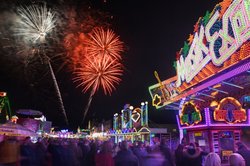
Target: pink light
[
  {"x": 207, "y": 114},
  {"x": 178, "y": 121},
  {"x": 248, "y": 115},
  {"x": 194, "y": 127}
]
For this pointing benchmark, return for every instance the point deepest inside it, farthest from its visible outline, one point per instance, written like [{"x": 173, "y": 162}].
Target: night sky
[{"x": 153, "y": 32}]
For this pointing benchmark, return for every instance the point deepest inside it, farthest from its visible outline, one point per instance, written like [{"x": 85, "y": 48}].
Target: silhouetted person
[
  {"x": 236, "y": 159},
  {"x": 244, "y": 152},
  {"x": 179, "y": 155},
  {"x": 166, "y": 153},
  {"x": 212, "y": 159},
  {"x": 192, "y": 156},
  {"x": 104, "y": 158},
  {"x": 125, "y": 157},
  {"x": 9, "y": 151}
]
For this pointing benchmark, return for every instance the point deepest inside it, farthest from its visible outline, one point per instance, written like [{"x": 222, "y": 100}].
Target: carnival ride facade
[{"x": 211, "y": 90}]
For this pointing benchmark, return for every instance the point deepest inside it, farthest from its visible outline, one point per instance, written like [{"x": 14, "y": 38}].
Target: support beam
[
  {"x": 172, "y": 107},
  {"x": 203, "y": 94},
  {"x": 233, "y": 85},
  {"x": 177, "y": 104},
  {"x": 221, "y": 91},
  {"x": 195, "y": 98}
]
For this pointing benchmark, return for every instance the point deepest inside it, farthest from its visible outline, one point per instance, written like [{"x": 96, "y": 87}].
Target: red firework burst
[
  {"x": 104, "y": 42},
  {"x": 99, "y": 71}
]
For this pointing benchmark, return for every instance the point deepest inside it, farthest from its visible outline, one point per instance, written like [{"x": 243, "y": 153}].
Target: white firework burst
[{"x": 34, "y": 23}]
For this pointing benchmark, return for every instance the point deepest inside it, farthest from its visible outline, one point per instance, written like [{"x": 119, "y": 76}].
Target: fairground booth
[
  {"x": 132, "y": 124},
  {"x": 211, "y": 91}
]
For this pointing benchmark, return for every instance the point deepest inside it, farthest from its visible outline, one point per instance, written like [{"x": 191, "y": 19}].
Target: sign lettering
[{"x": 235, "y": 19}]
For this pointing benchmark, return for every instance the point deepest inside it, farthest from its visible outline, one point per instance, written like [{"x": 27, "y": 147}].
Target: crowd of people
[{"x": 83, "y": 152}]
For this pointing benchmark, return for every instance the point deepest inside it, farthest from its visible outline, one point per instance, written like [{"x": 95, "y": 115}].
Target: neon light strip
[
  {"x": 195, "y": 98},
  {"x": 177, "y": 104},
  {"x": 230, "y": 84},
  {"x": 207, "y": 116},
  {"x": 221, "y": 91},
  {"x": 232, "y": 73},
  {"x": 178, "y": 121},
  {"x": 174, "y": 107},
  {"x": 203, "y": 94}
]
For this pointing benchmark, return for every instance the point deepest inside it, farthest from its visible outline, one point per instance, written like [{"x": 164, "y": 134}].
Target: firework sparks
[
  {"x": 96, "y": 59},
  {"x": 99, "y": 72},
  {"x": 35, "y": 23},
  {"x": 101, "y": 42}
]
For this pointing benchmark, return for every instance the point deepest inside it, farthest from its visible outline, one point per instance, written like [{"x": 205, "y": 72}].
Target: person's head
[
  {"x": 236, "y": 159},
  {"x": 180, "y": 148},
  {"x": 106, "y": 147},
  {"x": 191, "y": 149},
  {"x": 184, "y": 141},
  {"x": 241, "y": 145},
  {"x": 140, "y": 144},
  {"x": 212, "y": 159},
  {"x": 163, "y": 142},
  {"x": 124, "y": 145}
]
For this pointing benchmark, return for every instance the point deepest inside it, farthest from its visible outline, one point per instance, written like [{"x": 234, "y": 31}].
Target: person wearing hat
[{"x": 192, "y": 155}]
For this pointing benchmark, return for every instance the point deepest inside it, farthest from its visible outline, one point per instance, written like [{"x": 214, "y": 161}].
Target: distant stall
[{"x": 132, "y": 124}]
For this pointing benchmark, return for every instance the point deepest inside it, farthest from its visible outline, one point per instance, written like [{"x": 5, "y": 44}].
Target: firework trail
[{"x": 33, "y": 26}]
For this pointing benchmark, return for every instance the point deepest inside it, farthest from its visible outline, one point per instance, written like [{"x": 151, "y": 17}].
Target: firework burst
[
  {"x": 35, "y": 23},
  {"x": 33, "y": 26},
  {"x": 96, "y": 60},
  {"x": 104, "y": 42},
  {"x": 99, "y": 72}
]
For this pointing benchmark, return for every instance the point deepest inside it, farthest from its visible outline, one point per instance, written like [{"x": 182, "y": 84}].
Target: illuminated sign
[
  {"x": 227, "y": 152},
  {"x": 126, "y": 117},
  {"x": 163, "y": 92},
  {"x": 230, "y": 110},
  {"x": 223, "y": 37},
  {"x": 136, "y": 114},
  {"x": 156, "y": 100},
  {"x": 190, "y": 115}
]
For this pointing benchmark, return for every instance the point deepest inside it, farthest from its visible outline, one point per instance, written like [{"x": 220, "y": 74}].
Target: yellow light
[
  {"x": 217, "y": 86},
  {"x": 214, "y": 103},
  {"x": 214, "y": 93},
  {"x": 156, "y": 96}
]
